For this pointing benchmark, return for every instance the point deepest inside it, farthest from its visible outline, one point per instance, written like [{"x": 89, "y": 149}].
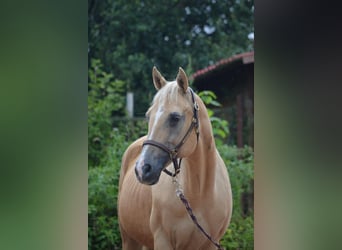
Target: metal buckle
[
  {"x": 196, "y": 106},
  {"x": 173, "y": 153}
]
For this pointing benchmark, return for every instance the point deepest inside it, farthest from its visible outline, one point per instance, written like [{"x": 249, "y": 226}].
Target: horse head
[{"x": 172, "y": 127}]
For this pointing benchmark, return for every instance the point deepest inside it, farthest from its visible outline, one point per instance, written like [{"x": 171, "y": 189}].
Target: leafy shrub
[
  {"x": 103, "y": 226},
  {"x": 105, "y": 98},
  {"x": 240, "y": 234},
  {"x": 220, "y": 126},
  {"x": 240, "y": 165},
  {"x": 103, "y": 183},
  {"x": 132, "y": 128}
]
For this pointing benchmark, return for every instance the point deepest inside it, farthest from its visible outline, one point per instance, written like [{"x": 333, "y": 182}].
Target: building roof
[
  {"x": 227, "y": 76},
  {"x": 245, "y": 58}
]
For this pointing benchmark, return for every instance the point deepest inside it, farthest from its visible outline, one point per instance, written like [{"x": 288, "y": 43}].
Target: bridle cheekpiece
[{"x": 173, "y": 153}]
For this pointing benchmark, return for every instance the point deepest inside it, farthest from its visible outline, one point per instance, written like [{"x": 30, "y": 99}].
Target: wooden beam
[{"x": 239, "y": 120}]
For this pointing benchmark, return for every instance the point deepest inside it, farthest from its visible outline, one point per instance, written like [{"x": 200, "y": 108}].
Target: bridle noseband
[{"x": 173, "y": 153}]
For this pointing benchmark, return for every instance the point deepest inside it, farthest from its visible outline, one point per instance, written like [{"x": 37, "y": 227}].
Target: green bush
[
  {"x": 240, "y": 165},
  {"x": 220, "y": 126},
  {"x": 240, "y": 234},
  {"x": 105, "y": 99},
  {"x": 132, "y": 128},
  {"x": 103, "y": 227},
  {"x": 103, "y": 183}
]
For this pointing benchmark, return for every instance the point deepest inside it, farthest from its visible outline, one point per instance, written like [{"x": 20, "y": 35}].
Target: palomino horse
[{"x": 150, "y": 214}]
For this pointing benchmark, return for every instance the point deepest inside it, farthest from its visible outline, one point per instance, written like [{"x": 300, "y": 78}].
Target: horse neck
[{"x": 199, "y": 174}]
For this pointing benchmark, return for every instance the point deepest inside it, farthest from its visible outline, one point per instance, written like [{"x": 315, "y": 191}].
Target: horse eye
[{"x": 174, "y": 118}]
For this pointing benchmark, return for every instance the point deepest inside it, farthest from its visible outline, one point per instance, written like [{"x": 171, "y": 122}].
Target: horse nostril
[{"x": 146, "y": 168}]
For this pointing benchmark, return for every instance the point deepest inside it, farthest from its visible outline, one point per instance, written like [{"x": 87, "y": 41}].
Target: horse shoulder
[{"x": 134, "y": 202}]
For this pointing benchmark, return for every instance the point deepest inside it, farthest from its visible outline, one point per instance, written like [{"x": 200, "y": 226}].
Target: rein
[
  {"x": 181, "y": 196},
  {"x": 173, "y": 153}
]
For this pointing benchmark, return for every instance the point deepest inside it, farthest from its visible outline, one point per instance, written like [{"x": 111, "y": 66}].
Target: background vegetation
[
  {"x": 130, "y": 37},
  {"x": 126, "y": 39}
]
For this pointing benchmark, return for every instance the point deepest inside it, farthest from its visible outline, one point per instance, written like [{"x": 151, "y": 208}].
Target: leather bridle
[{"x": 173, "y": 152}]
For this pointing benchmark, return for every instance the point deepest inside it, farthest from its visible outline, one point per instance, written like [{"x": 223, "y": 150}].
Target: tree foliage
[{"x": 130, "y": 37}]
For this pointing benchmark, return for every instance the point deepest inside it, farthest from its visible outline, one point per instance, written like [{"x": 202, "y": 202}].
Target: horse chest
[
  {"x": 181, "y": 234},
  {"x": 170, "y": 220}
]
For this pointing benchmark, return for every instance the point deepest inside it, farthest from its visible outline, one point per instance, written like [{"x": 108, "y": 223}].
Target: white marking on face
[
  {"x": 140, "y": 162},
  {"x": 158, "y": 115}
]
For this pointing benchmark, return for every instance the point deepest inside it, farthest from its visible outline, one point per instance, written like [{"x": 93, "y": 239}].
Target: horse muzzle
[
  {"x": 149, "y": 166},
  {"x": 146, "y": 175}
]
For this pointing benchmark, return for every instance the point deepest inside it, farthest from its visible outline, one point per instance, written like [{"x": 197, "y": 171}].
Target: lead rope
[{"x": 180, "y": 195}]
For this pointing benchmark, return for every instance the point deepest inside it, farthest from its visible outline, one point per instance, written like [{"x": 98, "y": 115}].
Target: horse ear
[
  {"x": 158, "y": 79},
  {"x": 182, "y": 80}
]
